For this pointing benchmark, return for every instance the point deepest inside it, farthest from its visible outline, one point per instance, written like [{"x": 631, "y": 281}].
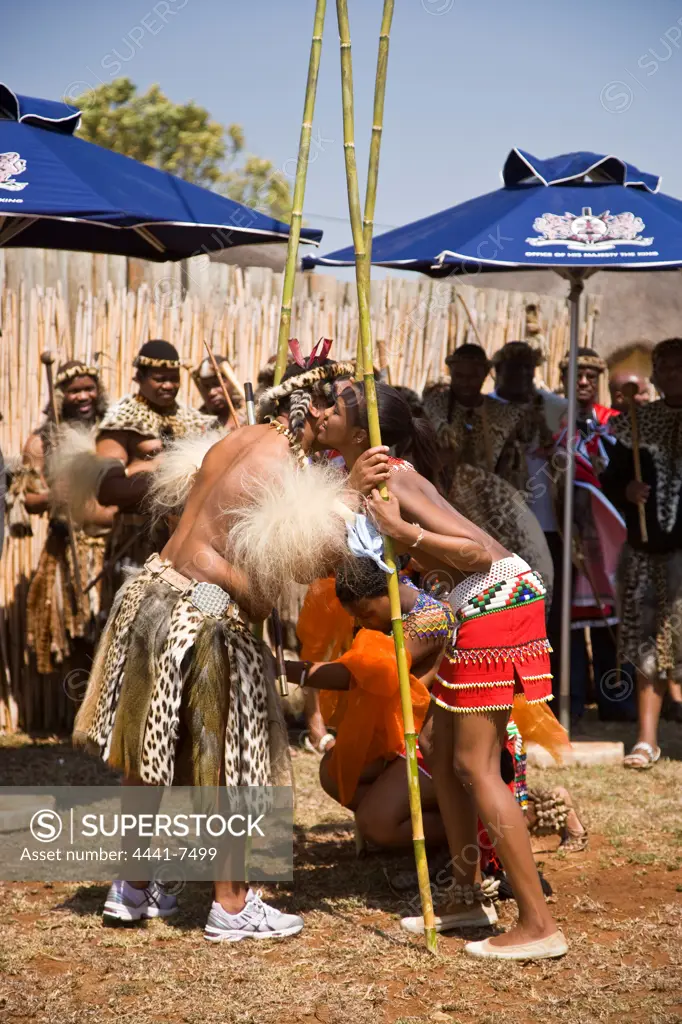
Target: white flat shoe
[
  {"x": 481, "y": 916},
  {"x": 542, "y": 949}
]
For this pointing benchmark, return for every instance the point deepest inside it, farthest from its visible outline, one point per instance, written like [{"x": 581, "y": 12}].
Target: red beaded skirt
[{"x": 498, "y": 652}]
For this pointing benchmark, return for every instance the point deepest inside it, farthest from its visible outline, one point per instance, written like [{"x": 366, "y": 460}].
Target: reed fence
[{"x": 415, "y": 324}]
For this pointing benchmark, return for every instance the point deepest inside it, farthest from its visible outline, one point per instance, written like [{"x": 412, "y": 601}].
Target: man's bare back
[{"x": 197, "y": 547}]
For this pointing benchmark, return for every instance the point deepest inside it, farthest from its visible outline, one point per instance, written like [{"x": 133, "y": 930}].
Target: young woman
[
  {"x": 501, "y": 648},
  {"x": 364, "y": 771}
]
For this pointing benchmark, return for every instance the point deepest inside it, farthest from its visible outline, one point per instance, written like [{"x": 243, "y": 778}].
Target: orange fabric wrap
[
  {"x": 368, "y": 718},
  {"x": 324, "y": 628},
  {"x": 537, "y": 724}
]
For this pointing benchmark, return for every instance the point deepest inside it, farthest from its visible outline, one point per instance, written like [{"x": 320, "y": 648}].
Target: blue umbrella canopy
[
  {"x": 60, "y": 192},
  {"x": 573, "y": 212}
]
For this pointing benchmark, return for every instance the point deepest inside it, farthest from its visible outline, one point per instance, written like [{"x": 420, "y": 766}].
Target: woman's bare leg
[
  {"x": 456, "y": 807},
  {"x": 478, "y": 740}
]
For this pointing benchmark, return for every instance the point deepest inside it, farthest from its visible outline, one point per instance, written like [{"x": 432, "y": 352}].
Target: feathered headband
[{"x": 297, "y": 388}]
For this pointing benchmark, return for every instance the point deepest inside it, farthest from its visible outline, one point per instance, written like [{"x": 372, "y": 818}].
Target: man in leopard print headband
[
  {"x": 301, "y": 381},
  {"x": 650, "y": 571}
]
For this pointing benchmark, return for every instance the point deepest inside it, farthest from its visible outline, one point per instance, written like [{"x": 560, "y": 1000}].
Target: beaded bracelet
[{"x": 420, "y": 536}]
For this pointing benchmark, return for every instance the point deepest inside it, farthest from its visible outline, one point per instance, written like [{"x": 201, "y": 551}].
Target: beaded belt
[
  {"x": 502, "y": 570},
  {"x": 208, "y": 598}
]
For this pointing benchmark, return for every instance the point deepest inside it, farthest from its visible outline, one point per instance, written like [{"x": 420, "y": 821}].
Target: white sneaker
[
  {"x": 256, "y": 921},
  {"x": 126, "y": 903},
  {"x": 479, "y": 916}
]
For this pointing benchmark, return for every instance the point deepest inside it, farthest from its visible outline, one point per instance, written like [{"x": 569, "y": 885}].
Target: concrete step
[{"x": 584, "y": 752}]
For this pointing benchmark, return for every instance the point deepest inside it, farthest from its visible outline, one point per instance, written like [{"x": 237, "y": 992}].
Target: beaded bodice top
[{"x": 429, "y": 619}]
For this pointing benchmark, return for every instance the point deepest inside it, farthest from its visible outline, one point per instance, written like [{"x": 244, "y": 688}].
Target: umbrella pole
[
  {"x": 577, "y": 285},
  {"x": 299, "y": 192},
  {"x": 365, "y": 327},
  {"x": 374, "y": 150}
]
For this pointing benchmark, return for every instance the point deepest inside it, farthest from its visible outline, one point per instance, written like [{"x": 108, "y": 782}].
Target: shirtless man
[
  {"x": 242, "y": 532},
  {"x": 501, "y": 648}
]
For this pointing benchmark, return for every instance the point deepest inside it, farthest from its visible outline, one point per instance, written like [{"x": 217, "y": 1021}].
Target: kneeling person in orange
[{"x": 364, "y": 771}]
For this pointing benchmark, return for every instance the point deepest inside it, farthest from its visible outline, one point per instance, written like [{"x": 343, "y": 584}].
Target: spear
[
  {"x": 362, "y": 279},
  {"x": 223, "y": 385},
  {"x": 299, "y": 192},
  {"x": 375, "y": 148}
]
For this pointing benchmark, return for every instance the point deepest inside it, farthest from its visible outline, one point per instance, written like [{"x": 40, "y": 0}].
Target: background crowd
[{"x": 497, "y": 456}]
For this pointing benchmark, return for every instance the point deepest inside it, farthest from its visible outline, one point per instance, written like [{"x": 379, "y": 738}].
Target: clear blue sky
[{"x": 466, "y": 81}]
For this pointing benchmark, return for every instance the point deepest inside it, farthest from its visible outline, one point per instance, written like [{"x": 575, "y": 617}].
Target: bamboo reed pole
[
  {"x": 375, "y": 150},
  {"x": 362, "y": 278},
  {"x": 299, "y": 191}
]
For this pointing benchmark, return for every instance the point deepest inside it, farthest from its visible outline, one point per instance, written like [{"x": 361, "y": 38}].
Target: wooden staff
[
  {"x": 629, "y": 391},
  {"x": 47, "y": 360},
  {"x": 365, "y": 326},
  {"x": 223, "y": 386}
]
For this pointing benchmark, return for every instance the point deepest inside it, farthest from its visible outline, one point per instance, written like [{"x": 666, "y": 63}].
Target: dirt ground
[{"x": 619, "y": 903}]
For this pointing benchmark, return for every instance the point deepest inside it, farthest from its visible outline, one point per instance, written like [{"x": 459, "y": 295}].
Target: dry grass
[{"x": 620, "y": 904}]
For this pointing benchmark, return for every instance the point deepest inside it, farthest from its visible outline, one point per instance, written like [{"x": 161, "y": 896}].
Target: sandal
[{"x": 642, "y": 756}]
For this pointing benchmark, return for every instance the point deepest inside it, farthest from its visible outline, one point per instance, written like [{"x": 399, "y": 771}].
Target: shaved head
[{"x": 617, "y": 381}]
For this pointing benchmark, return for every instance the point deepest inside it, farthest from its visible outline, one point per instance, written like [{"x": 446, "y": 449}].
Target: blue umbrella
[
  {"x": 576, "y": 214},
  {"x": 60, "y": 192},
  {"x": 576, "y": 211}
]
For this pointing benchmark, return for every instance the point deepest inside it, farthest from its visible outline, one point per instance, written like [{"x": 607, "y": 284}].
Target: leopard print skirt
[
  {"x": 650, "y": 609},
  {"x": 177, "y": 696}
]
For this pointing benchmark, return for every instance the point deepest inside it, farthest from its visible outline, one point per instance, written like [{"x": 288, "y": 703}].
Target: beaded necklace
[{"x": 293, "y": 442}]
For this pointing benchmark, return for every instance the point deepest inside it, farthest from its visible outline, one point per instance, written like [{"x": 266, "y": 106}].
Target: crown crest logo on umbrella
[
  {"x": 11, "y": 164},
  {"x": 589, "y": 231}
]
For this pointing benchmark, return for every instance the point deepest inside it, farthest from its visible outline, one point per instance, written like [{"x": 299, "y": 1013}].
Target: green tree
[{"x": 181, "y": 138}]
